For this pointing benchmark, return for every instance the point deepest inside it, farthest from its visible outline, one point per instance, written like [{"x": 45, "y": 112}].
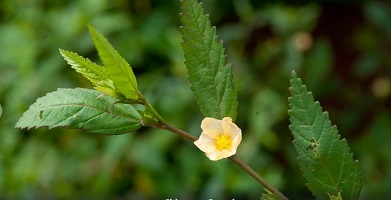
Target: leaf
[
  {"x": 81, "y": 109},
  {"x": 93, "y": 72},
  {"x": 118, "y": 69},
  {"x": 331, "y": 197},
  {"x": 209, "y": 75},
  {"x": 324, "y": 158},
  {"x": 268, "y": 195}
]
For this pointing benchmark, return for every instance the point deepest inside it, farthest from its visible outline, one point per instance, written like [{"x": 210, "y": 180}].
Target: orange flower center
[{"x": 223, "y": 142}]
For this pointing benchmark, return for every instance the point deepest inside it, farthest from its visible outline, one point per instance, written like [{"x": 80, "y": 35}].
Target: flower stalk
[{"x": 166, "y": 126}]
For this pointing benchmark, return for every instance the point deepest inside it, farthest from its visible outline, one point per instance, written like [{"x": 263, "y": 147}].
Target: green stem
[
  {"x": 154, "y": 112},
  {"x": 149, "y": 107},
  {"x": 178, "y": 131}
]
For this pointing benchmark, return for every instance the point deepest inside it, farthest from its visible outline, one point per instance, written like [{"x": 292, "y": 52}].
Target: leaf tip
[
  {"x": 93, "y": 31},
  {"x": 90, "y": 27},
  {"x": 293, "y": 74},
  {"x": 62, "y": 52}
]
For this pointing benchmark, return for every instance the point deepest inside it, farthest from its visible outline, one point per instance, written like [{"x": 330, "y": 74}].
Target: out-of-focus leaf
[
  {"x": 288, "y": 19},
  {"x": 267, "y": 109},
  {"x": 82, "y": 109},
  {"x": 319, "y": 62},
  {"x": 379, "y": 14}
]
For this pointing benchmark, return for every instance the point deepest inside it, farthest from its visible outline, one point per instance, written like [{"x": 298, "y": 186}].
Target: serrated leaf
[
  {"x": 324, "y": 158},
  {"x": 209, "y": 75},
  {"x": 118, "y": 69},
  {"x": 92, "y": 71},
  {"x": 81, "y": 109}
]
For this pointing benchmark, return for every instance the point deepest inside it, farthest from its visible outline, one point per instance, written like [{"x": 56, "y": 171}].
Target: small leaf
[
  {"x": 269, "y": 195},
  {"x": 324, "y": 158},
  {"x": 331, "y": 197},
  {"x": 118, "y": 69},
  {"x": 81, "y": 109},
  {"x": 209, "y": 75},
  {"x": 93, "y": 72},
  {"x": 109, "y": 91}
]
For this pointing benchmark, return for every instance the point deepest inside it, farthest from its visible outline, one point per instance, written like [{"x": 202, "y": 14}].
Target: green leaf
[
  {"x": 269, "y": 195},
  {"x": 324, "y": 158},
  {"x": 209, "y": 75},
  {"x": 81, "y": 109},
  {"x": 118, "y": 69},
  {"x": 331, "y": 197},
  {"x": 93, "y": 72}
]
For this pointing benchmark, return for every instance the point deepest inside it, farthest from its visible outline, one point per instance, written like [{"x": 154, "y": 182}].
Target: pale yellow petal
[
  {"x": 218, "y": 155},
  {"x": 211, "y": 127},
  {"x": 236, "y": 141},
  {"x": 205, "y": 143},
  {"x": 230, "y": 128}
]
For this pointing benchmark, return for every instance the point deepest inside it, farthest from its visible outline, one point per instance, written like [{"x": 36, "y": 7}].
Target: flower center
[{"x": 223, "y": 142}]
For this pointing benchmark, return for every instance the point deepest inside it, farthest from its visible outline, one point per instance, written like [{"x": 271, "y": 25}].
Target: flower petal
[
  {"x": 205, "y": 143},
  {"x": 236, "y": 140},
  {"x": 218, "y": 155},
  {"x": 229, "y": 127},
  {"x": 211, "y": 127}
]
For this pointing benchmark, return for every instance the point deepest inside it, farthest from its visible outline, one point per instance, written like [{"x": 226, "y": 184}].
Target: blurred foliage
[{"x": 341, "y": 51}]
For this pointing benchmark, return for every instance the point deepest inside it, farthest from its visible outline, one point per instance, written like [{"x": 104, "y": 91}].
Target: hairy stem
[{"x": 178, "y": 131}]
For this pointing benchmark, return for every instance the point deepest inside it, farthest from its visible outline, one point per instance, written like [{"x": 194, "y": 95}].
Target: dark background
[{"x": 340, "y": 49}]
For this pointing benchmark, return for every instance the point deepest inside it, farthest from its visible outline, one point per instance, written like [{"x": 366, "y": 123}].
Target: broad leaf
[
  {"x": 93, "y": 72},
  {"x": 209, "y": 75},
  {"x": 81, "y": 109},
  {"x": 118, "y": 69},
  {"x": 324, "y": 158}
]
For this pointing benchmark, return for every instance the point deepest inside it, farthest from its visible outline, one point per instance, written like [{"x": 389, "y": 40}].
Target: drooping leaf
[
  {"x": 324, "y": 158},
  {"x": 81, "y": 109},
  {"x": 93, "y": 72},
  {"x": 118, "y": 69},
  {"x": 209, "y": 75}
]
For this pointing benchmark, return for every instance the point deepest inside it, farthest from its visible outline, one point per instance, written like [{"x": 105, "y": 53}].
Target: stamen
[{"x": 223, "y": 142}]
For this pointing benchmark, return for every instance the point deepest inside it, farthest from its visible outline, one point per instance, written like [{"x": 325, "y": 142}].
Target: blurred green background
[{"x": 341, "y": 50}]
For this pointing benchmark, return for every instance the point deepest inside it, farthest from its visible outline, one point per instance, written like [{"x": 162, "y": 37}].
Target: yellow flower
[{"x": 219, "y": 138}]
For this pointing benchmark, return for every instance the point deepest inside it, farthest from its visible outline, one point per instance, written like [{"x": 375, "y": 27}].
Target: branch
[{"x": 234, "y": 158}]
